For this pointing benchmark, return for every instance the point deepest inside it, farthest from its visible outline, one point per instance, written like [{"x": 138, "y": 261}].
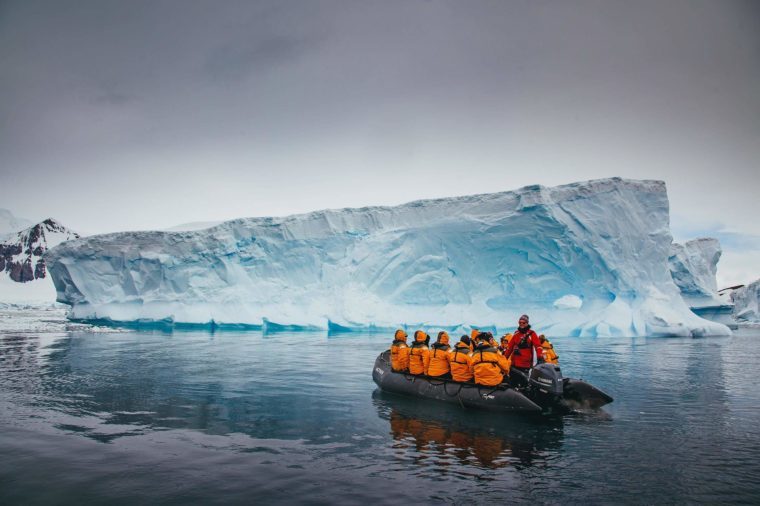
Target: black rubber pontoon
[{"x": 546, "y": 392}]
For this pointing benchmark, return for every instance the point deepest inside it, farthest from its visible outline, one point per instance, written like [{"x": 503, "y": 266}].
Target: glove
[{"x": 540, "y": 360}]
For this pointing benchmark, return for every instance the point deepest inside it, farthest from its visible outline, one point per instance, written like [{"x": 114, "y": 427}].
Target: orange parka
[
  {"x": 439, "y": 356},
  {"x": 460, "y": 363},
  {"x": 419, "y": 356},
  {"x": 488, "y": 365},
  {"x": 400, "y": 352},
  {"x": 550, "y": 356}
]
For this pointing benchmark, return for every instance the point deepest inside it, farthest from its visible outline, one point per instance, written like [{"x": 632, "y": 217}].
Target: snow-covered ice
[
  {"x": 40, "y": 318},
  {"x": 588, "y": 258}
]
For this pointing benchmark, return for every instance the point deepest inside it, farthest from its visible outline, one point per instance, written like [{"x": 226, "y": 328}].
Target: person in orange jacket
[
  {"x": 488, "y": 365},
  {"x": 550, "y": 355},
  {"x": 419, "y": 355},
  {"x": 460, "y": 361},
  {"x": 439, "y": 357},
  {"x": 400, "y": 352},
  {"x": 504, "y": 342}
]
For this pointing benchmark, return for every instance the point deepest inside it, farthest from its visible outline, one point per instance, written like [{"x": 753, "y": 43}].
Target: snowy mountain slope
[
  {"x": 481, "y": 260},
  {"x": 10, "y": 223},
  {"x": 23, "y": 272}
]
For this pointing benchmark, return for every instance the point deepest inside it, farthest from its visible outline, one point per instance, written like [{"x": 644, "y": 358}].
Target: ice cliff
[
  {"x": 588, "y": 258},
  {"x": 693, "y": 266},
  {"x": 746, "y": 301}
]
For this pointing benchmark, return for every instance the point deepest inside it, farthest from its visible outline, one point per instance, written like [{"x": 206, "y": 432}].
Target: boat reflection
[{"x": 425, "y": 431}]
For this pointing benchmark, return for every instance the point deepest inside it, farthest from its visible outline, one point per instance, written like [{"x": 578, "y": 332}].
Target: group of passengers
[{"x": 476, "y": 358}]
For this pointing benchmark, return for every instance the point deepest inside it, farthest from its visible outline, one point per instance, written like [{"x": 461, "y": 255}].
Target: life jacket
[
  {"x": 550, "y": 356},
  {"x": 460, "y": 363},
  {"x": 488, "y": 365},
  {"x": 419, "y": 358},
  {"x": 399, "y": 355},
  {"x": 439, "y": 359}
]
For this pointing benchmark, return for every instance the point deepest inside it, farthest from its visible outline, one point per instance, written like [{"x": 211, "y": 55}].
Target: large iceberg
[{"x": 588, "y": 258}]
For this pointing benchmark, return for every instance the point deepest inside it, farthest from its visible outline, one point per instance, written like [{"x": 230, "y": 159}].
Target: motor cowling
[{"x": 547, "y": 379}]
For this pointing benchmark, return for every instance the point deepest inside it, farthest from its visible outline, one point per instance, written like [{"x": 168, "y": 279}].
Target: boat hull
[{"x": 578, "y": 395}]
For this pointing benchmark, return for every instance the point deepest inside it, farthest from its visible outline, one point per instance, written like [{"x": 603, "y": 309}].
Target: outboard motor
[{"x": 546, "y": 380}]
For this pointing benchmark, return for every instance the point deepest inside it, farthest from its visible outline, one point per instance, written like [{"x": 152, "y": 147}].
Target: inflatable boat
[{"x": 544, "y": 391}]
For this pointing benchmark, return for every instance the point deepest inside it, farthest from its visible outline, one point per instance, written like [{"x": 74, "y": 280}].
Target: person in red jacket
[{"x": 520, "y": 350}]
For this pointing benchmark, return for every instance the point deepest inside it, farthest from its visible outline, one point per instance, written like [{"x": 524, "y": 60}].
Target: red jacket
[{"x": 520, "y": 349}]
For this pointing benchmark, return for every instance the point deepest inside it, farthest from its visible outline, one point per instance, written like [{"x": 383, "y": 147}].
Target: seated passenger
[
  {"x": 488, "y": 365},
  {"x": 439, "y": 357},
  {"x": 419, "y": 355},
  {"x": 550, "y": 355},
  {"x": 460, "y": 360},
  {"x": 504, "y": 342},
  {"x": 400, "y": 352}
]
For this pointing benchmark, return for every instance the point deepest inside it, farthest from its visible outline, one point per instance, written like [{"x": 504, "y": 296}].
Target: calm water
[{"x": 295, "y": 417}]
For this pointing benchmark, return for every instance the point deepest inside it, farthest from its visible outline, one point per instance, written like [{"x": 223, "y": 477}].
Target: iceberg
[
  {"x": 746, "y": 301},
  {"x": 693, "y": 266},
  {"x": 588, "y": 258}
]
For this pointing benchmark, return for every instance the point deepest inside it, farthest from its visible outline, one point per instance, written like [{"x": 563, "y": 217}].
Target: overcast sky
[{"x": 121, "y": 115}]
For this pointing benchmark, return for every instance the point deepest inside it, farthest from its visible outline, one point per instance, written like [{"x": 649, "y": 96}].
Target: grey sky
[{"x": 122, "y": 115}]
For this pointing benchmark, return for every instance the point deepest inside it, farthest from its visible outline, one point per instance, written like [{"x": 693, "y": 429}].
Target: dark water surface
[{"x": 193, "y": 417}]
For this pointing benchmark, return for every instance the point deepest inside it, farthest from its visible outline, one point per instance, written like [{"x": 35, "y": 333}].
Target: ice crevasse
[{"x": 587, "y": 258}]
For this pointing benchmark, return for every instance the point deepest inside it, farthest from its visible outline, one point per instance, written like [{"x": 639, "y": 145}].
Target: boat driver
[{"x": 520, "y": 350}]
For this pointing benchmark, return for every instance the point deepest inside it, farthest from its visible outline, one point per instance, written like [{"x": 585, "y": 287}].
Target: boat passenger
[
  {"x": 400, "y": 352},
  {"x": 419, "y": 355},
  {"x": 520, "y": 349},
  {"x": 550, "y": 355},
  {"x": 439, "y": 357},
  {"x": 504, "y": 342},
  {"x": 488, "y": 365},
  {"x": 461, "y": 360}
]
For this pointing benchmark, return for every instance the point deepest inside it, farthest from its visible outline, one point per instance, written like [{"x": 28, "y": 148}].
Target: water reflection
[{"x": 450, "y": 436}]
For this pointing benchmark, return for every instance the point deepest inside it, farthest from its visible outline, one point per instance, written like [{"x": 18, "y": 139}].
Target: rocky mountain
[{"x": 21, "y": 254}]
